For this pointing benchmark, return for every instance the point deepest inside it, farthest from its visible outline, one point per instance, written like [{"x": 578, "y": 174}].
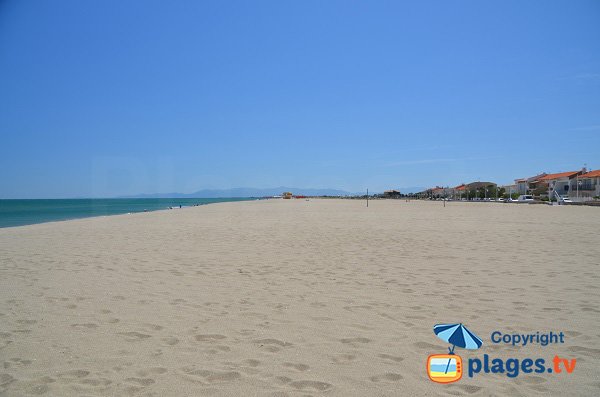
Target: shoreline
[
  {"x": 151, "y": 200},
  {"x": 241, "y": 199}
]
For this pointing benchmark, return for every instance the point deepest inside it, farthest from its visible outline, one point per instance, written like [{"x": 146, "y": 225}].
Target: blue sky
[{"x": 107, "y": 98}]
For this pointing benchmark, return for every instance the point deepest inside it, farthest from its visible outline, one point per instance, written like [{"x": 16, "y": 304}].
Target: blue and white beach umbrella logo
[{"x": 457, "y": 335}]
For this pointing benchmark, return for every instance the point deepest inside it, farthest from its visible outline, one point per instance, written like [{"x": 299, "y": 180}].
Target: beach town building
[
  {"x": 479, "y": 189},
  {"x": 391, "y": 194},
  {"x": 509, "y": 190},
  {"x": 438, "y": 192},
  {"x": 559, "y": 184},
  {"x": 528, "y": 185},
  {"x": 287, "y": 195},
  {"x": 578, "y": 185},
  {"x": 521, "y": 186},
  {"x": 459, "y": 192},
  {"x": 586, "y": 186},
  {"x": 463, "y": 191}
]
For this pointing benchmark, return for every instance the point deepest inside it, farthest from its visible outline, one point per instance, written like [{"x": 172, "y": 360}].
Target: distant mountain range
[
  {"x": 246, "y": 192},
  {"x": 257, "y": 192}
]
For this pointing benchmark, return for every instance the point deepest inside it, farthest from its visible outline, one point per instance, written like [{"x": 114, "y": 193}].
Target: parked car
[{"x": 524, "y": 198}]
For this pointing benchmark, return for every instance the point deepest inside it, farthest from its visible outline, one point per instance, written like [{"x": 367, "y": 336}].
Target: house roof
[
  {"x": 567, "y": 174},
  {"x": 531, "y": 178},
  {"x": 460, "y": 187},
  {"x": 591, "y": 174},
  {"x": 479, "y": 184}
]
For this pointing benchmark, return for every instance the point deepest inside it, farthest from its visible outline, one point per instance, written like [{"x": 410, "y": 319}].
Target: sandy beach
[{"x": 296, "y": 298}]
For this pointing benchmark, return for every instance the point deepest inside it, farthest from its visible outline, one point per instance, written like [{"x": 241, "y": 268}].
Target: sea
[{"x": 26, "y": 212}]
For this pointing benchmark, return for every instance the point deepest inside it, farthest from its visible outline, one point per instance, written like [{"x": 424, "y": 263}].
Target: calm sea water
[{"x": 26, "y": 212}]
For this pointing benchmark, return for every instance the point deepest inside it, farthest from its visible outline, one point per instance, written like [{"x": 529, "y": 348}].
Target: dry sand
[{"x": 295, "y": 298}]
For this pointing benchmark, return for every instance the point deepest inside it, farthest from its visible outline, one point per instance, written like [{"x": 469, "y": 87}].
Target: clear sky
[{"x": 107, "y": 98}]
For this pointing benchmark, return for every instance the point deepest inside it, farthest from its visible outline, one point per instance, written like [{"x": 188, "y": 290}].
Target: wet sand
[{"x": 295, "y": 298}]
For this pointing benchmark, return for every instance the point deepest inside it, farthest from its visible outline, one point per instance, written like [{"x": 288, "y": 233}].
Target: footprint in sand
[
  {"x": 470, "y": 389},
  {"x": 153, "y": 327},
  {"x": 387, "y": 377},
  {"x": 100, "y": 382},
  {"x": 396, "y": 359},
  {"x": 134, "y": 336},
  {"x": 151, "y": 371},
  {"x": 212, "y": 338},
  {"x": 590, "y": 309},
  {"x": 272, "y": 345},
  {"x": 586, "y": 351},
  {"x": 283, "y": 380},
  {"x": 204, "y": 375},
  {"x": 82, "y": 377},
  {"x": 171, "y": 341},
  {"x": 355, "y": 341},
  {"x": 279, "y": 394},
  {"x": 248, "y": 366},
  {"x": 298, "y": 367},
  {"x": 310, "y": 385},
  {"x": 426, "y": 346},
  {"x": 252, "y": 362},
  {"x": 85, "y": 325},
  {"x": 218, "y": 348},
  {"x": 6, "y": 379},
  {"x": 343, "y": 358},
  {"x": 21, "y": 331},
  {"x": 37, "y": 389},
  {"x": 18, "y": 361},
  {"x": 532, "y": 380},
  {"x": 74, "y": 374},
  {"x": 141, "y": 381},
  {"x": 27, "y": 322},
  {"x": 322, "y": 318}
]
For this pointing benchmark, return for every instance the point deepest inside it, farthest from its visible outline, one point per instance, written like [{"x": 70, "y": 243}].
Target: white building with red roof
[
  {"x": 527, "y": 185},
  {"x": 560, "y": 183},
  {"x": 587, "y": 186}
]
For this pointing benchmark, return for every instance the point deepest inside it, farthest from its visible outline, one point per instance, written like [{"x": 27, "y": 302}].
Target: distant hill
[
  {"x": 257, "y": 192},
  {"x": 411, "y": 189},
  {"x": 246, "y": 192}
]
